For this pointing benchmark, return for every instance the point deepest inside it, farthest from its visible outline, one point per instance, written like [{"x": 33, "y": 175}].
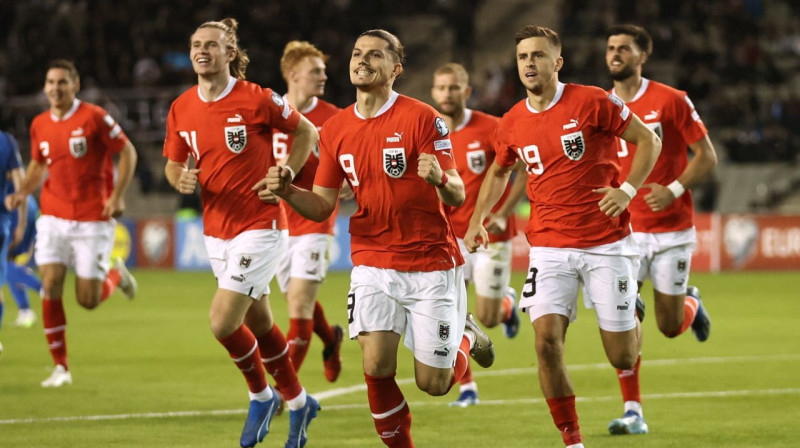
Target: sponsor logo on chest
[{"x": 236, "y": 138}]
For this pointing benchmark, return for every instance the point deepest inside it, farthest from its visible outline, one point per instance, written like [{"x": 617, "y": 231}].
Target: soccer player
[
  {"x": 71, "y": 147},
  {"x": 394, "y": 153},
  {"x": 661, "y": 217},
  {"x": 579, "y": 228},
  {"x": 305, "y": 263},
  {"x": 11, "y": 172},
  {"x": 225, "y": 124},
  {"x": 20, "y": 276},
  {"x": 490, "y": 269}
]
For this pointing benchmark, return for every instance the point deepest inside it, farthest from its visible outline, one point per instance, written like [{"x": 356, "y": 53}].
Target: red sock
[
  {"x": 629, "y": 382},
  {"x": 467, "y": 378},
  {"x": 242, "y": 346},
  {"x": 462, "y": 361},
  {"x": 275, "y": 356},
  {"x": 566, "y": 418},
  {"x": 690, "y": 305},
  {"x": 508, "y": 306},
  {"x": 55, "y": 328},
  {"x": 110, "y": 284},
  {"x": 321, "y": 326},
  {"x": 300, "y": 331},
  {"x": 389, "y": 411}
]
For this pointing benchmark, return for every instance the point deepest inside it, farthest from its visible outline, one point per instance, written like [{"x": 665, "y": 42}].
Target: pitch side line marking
[{"x": 356, "y": 388}]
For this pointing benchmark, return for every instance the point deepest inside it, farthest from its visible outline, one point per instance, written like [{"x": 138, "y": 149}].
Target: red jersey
[
  {"x": 473, "y": 154},
  {"x": 671, "y": 115},
  {"x": 570, "y": 150},
  {"x": 230, "y": 140},
  {"x": 77, "y": 150},
  {"x": 318, "y": 112},
  {"x": 400, "y": 223}
]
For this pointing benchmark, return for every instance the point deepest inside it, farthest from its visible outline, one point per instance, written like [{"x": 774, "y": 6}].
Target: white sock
[
  {"x": 472, "y": 385},
  {"x": 298, "y": 401},
  {"x": 576, "y": 445},
  {"x": 264, "y": 395},
  {"x": 634, "y": 406}
]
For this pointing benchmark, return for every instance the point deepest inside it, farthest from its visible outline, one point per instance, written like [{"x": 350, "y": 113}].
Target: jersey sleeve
[
  {"x": 175, "y": 147},
  {"x": 14, "y": 159},
  {"x": 434, "y": 138},
  {"x": 329, "y": 173},
  {"x": 505, "y": 154},
  {"x": 36, "y": 153},
  {"x": 613, "y": 116},
  {"x": 111, "y": 134},
  {"x": 687, "y": 120},
  {"x": 281, "y": 115}
]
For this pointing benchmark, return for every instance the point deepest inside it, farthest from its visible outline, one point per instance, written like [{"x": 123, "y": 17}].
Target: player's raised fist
[
  {"x": 428, "y": 168},
  {"x": 188, "y": 181}
]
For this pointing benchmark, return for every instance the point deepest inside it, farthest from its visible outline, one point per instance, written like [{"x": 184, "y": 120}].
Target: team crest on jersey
[
  {"x": 444, "y": 331},
  {"x": 574, "y": 145},
  {"x": 244, "y": 261},
  {"x": 476, "y": 161},
  {"x": 394, "y": 161},
  {"x": 236, "y": 138},
  {"x": 441, "y": 126},
  {"x": 78, "y": 146},
  {"x": 622, "y": 285},
  {"x": 682, "y": 263},
  {"x": 656, "y": 127}
]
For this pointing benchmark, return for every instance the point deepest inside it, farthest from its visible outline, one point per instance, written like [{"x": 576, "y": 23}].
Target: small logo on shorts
[
  {"x": 622, "y": 285},
  {"x": 443, "y": 352},
  {"x": 245, "y": 261},
  {"x": 498, "y": 272},
  {"x": 315, "y": 256},
  {"x": 444, "y": 331},
  {"x": 238, "y": 278},
  {"x": 682, "y": 265},
  {"x": 624, "y": 307}
]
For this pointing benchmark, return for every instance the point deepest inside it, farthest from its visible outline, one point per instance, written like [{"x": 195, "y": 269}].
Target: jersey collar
[
  {"x": 465, "y": 121},
  {"x": 75, "y": 104},
  {"x": 228, "y": 89},
  {"x": 559, "y": 92},
  {"x": 640, "y": 92},
  {"x": 388, "y": 105}
]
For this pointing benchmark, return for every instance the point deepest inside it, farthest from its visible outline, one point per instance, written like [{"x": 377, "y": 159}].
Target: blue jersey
[{"x": 9, "y": 160}]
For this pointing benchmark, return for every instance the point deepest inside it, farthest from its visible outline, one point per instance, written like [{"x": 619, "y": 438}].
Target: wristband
[
  {"x": 443, "y": 183},
  {"x": 291, "y": 172},
  {"x": 676, "y": 188},
  {"x": 628, "y": 189}
]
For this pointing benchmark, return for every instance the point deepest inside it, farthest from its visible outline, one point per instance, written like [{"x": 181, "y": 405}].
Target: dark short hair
[
  {"x": 640, "y": 35},
  {"x": 538, "y": 31},
  {"x": 394, "y": 43},
  {"x": 65, "y": 65}
]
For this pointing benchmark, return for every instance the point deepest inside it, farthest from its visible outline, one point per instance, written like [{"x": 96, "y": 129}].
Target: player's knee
[
  {"x": 488, "y": 319},
  {"x": 434, "y": 386},
  {"x": 670, "y": 327},
  {"x": 88, "y": 300},
  {"x": 220, "y": 326},
  {"x": 549, "y": 346},
  {"x": 624, "y": 361}
]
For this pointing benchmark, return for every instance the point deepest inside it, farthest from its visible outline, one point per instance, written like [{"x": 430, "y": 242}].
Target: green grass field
[{"x": 149, "y": 373}]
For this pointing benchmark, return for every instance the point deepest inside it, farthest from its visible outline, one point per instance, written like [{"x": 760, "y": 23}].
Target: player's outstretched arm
[
  {"x": 492, "y": 188},
  {"x": 648, "y": 147},
  {"x": 34, "y": 176},
  {"x": 115, "y": 204}
]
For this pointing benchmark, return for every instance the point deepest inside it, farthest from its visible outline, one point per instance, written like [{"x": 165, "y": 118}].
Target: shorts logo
[
  {"x": 394, "y": 161},
  {"x": 441, "y": 126},
  {"x": 78, "y": 146},
  {"x": 245, "y": 261},
  {"x": 238, "y": 278},
  {"x": 476, "y": 161},
  {"x": 444, "y": 331},
  {"x": 622, "y": 285},
  {"x": 573, "y": 145},
  {"x": 315, "y": 256},
  {"x": 682, "y": 265},
  {"x": 236, "y": 138},
  {"x": 443, "y": 352},
  {"x": 498, "y": 271}
]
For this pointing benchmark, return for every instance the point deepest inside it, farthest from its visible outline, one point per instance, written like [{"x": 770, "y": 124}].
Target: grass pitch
[{"x": 149, "y": 373}]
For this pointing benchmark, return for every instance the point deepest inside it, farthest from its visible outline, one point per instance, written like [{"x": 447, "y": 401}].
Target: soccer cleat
[
  {"x": 511, "y": 326},
  {"x": 25, "y": 318},
  {"x": 259, "y": 417},
  {"x": 482, "y": 350},
  {"x": 58, "y": 378},
  {"x": 299, "y": 421},
  {"x": 640, "y": 307},
  {"x": 330, "y": 355},
  {"x": 466, "y": 398},
  {"x": 127, "y": 283},
  {"x": 630, "y": 423},
  {"x": 701, "y": 325}
]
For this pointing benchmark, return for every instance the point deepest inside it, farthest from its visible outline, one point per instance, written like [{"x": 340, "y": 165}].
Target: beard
[{"x": 623, "y": 74}]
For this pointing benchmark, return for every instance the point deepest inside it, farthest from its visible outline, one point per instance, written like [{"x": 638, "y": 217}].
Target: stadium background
[{"x": 148, "y": 372}]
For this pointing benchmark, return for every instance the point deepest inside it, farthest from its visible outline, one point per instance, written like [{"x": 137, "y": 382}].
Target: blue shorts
[
  {"x": 30, "y": 228},
  {"x": 5, "y": 238}
]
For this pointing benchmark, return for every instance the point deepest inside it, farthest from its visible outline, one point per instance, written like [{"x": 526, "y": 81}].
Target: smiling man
[{"x": 395, "y": 154}]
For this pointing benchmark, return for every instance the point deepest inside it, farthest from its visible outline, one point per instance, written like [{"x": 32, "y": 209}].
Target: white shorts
[
  {"x": 429, "y": 307},
  {"x": 306, "y": 257},
  {"x": 489, "y": 269},
  {"x": 247, "y": 262},
  {"x": 607, "y": 274},
  {"x": 666, "y": 259},
  {"x": 86, "y": 245}
]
